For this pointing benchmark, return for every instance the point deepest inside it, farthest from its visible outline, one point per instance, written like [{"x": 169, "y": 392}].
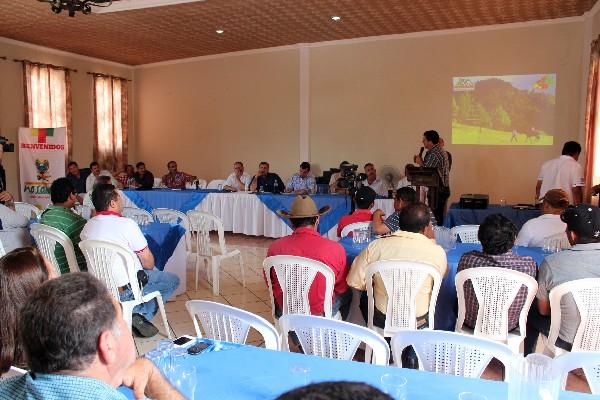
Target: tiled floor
[{"x": 254, "y": 298}]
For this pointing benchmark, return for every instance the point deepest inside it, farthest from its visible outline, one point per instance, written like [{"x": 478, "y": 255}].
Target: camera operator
[{"x": 349, "y": 180}]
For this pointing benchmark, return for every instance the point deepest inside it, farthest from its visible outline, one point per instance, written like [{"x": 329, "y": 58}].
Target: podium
[{"x": 425, "y": 176}]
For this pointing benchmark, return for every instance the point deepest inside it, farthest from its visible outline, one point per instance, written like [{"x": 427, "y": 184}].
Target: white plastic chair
[
  {"x": 27, "y": 209},
  {"x": 157, "y": 183},
  {"x": 223, "y": 322},
  {"x": 589, "y": 361},
  {"x": 139, "y": 215},
  {"x": 295, "y": 276},
  {"x": 586, "y": 294},
  {"x": 451, "y": 353},
  {"x": 200, "y": 224},
  {"x": 467, "y": 233},
  {"x": 495, "y": 289},
  {"x": 214, "y": 184},
  {"x": 47, "y": 238},
  {"x": 12, "y": 372},
  {"x": 84, "y": 211},
  {"x": 330, "y": 338},
  {"x": 100, "y": 256},
  {"x": 192, "y": 185},
  {"x": 356, "y": 225},
  {"x": 169, "y": 216}
]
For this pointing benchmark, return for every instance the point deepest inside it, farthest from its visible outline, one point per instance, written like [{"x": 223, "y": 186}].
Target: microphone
[{"x": 421, "y": 152}]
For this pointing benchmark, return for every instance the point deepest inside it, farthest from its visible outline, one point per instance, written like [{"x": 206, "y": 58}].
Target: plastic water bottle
[{"x": 275, "y": 187}]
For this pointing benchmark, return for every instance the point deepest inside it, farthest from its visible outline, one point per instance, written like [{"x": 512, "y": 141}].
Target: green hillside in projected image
[{"x": 504, "y": 110}]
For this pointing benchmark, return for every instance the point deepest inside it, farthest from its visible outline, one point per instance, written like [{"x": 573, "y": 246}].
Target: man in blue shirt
[
  {"x": 79, "y": 347},
  {"x": 302, "y": 182}
]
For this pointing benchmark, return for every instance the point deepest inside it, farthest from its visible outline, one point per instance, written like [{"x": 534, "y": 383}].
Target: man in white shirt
[
  {"x": 95, "y": 172},
  {"x": 563, "y": 173},
  {"x": 534, "y": 231},
  {"x": 373, "y": 182},
  {"x": 238, "y": 180},
  {"x": 110, "y": 225}
]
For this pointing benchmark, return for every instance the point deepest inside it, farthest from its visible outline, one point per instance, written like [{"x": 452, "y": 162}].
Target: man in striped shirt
[{"x": 60, "y": 215}]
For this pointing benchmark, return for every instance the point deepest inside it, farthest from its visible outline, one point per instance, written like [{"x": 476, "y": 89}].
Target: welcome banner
[{"x": 41, "y": 161}]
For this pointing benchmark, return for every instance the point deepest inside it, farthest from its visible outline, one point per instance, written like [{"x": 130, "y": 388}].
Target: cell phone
[
  {"x": 198, "y": 348},
  {"x": 183, "y": 341}
]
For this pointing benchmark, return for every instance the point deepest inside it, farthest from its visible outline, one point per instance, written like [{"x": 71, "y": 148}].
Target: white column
[{"x": 304, "y": 127}]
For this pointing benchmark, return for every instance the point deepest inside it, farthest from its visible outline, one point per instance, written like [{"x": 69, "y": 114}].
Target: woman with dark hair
[{"x": 22, "y": 271}]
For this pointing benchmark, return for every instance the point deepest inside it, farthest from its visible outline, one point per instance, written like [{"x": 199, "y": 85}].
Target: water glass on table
[
  {"x": 182, "y": 374},
  {"x": 394, "y": 384},
  {"x": 533, "y": 378}
]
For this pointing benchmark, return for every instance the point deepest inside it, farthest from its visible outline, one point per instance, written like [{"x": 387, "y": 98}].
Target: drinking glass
[
  {"x": 301, "y": 373},
  {"x": 533, "y": 378},
  {"x": 394, "y": 384},
  {"x": 182, "y": 374},
  {"x": 502, "y": 202}
]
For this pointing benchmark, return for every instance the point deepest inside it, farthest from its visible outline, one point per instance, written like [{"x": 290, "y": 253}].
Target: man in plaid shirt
[{"x": 497, "y": 236}]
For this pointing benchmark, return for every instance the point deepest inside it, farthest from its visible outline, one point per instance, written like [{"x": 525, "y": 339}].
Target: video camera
[
  {"x": 6, "y": 146},
  {"x": 349, "y": 179}
]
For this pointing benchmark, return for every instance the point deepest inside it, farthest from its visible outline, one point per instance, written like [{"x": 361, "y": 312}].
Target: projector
[{"x": 474, "y": 201}]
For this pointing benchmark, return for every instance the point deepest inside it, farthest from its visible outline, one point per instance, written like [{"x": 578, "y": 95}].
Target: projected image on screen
[{"x": 504, "y": 110}]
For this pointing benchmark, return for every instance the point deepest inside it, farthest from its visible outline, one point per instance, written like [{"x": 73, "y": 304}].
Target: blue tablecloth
[
  {"x": 251, "y": 373},
  {"x": 162, "y": 241},
  {"x": 463, "y": 216},
  {"x": 446, "y": 307},
  {"x": 340, "y": 206},
  {"x": 182, "y": 200}
]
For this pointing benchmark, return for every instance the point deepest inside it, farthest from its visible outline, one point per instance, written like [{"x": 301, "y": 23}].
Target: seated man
[
  {"x": 373, "y": 181},
  {"x": 87, "y": 198},
  {"x": 497, "y": 236},
  {"x": 60, "y": 215},
  {"x": 411, "y": 243},
  {"x": 306, "y": 241},
  {"x": 125, "y": 177},
  {"x": 238, "y": 180},
  {"x": 175, "y": 179},
  {"x": 265, "y": 181},
  {"x": 78, "y": 347},
  {"x": 144, "y": 180},
  {"x": 581, "y": 261},
  {"x": 14, "y": 232},
  {"x": 302, "y": 182},
  {"x": 77, "y": 177},
  {"x": 548, "y": 224},
  {"x": 404, "y": 196},
  {"x": 109, "y": 225},
  {"x": 364, "y": 200},
  {"x": 96, "y": 172}
]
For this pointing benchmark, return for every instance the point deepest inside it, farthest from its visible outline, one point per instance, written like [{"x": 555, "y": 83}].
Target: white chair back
[
  {"x": 47, "y": 238},
  {"x": 467, "y": 233},
  {"x": 169, "y": 216},
  {"x": 295, "y": 276},
  {"x": 26, "y": 209},
  {"x": 100, "y": 256},
  {"x": 403, "y": 281},
  {"x": 495, "y": 289},
  {"x": 223, "y": 322},
  {"x": 84, "y": 211},
  {"x": 589, "y": 361},
  {"x": 215, "y": 183},
  {"x": 451, "y": 353},
  {"x": 356, "y": 225},
  {"x": 139, "y": 215},
  {"x": 157, "y": 183},
  {"x": 586, "y": 294},
  {"x": 330, "y": 338},
  {"x": 12, "y": 373}
]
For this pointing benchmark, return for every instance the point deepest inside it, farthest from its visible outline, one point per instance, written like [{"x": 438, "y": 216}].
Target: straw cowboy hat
[{"x": 304, "y": 207}]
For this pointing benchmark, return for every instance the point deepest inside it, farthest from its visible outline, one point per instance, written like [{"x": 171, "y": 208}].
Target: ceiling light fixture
[
  {"x": 219, "y": 31},
  {"x": 85, "y": 6},
  {"x": 336, "y": 18}
]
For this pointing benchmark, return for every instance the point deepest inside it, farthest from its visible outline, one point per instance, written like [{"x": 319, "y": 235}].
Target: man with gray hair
[{"x": 78, "y": 347}]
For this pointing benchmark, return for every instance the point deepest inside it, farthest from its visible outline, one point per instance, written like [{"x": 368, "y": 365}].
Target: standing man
[
  {"x": 564, "y": 173},
  {"x": 436, "y": 157},
  {"x": 95, "y": 173},
  {"x": 238, "y": 180},
  {"x": 78, "y": 178},
  {"x": 175, "y": 179},
  {"x": 110, "y": 225},
  {"x": 144, "y": 180},
  {"x": 302, "y": 182},
  {"x": 373, "y": 181},
  {"x": 60, "y": 215},
  {"x": 266, "y": 181}
]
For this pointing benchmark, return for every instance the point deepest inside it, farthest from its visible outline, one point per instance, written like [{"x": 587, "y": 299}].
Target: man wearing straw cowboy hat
[{"x": 306, "y": 241}]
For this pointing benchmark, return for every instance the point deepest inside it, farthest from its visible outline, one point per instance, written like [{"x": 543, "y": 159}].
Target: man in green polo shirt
[{"x": 60, "y": 215}]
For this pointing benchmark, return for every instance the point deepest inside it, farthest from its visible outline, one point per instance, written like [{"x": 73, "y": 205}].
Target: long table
[
  {"x": 466, "y": 216},
  {"x": 251, "y": 373},
  {"x": 241, "y": 212},
  {"x": 445, "y": 309}
]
